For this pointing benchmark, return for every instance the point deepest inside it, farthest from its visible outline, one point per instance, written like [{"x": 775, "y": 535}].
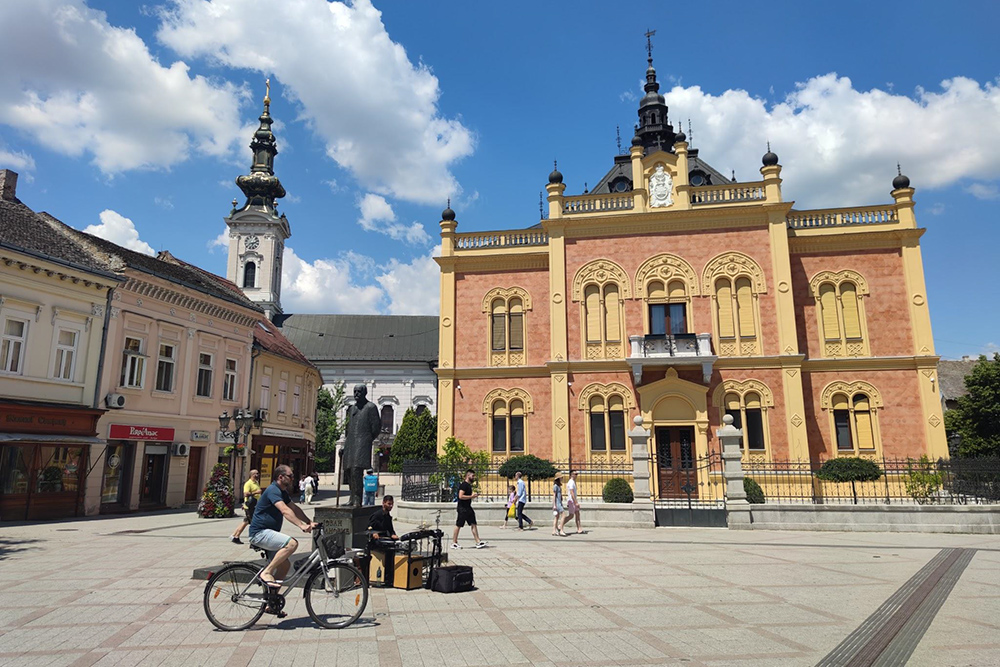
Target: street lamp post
[{"x": 244, "y": 421}]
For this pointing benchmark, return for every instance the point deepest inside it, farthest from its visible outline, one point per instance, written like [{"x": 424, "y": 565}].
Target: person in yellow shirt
[{"x": 251, "y": 493}]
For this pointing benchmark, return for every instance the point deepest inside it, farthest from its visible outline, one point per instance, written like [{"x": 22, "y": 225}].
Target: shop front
[
  {"x": 44, "y": 453},
  {"x": 275, "y": 446},
  {"x": 135, "y": 449}
]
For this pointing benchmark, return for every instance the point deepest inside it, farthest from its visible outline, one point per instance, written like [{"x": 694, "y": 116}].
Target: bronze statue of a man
[{"x": 363, "y": 426}]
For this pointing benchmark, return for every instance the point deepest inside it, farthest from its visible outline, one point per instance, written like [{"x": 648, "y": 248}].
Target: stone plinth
[{"x": 348, "y": 524}]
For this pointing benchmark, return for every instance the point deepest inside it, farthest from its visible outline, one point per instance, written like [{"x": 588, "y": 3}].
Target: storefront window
[
  {"x": 115, "y": 470},
  {"x": 14, "y": 463},
  {"x": 58, "y": 469}
]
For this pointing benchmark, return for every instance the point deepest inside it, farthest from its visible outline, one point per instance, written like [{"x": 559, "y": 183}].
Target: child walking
[
  {"x": 557, "y": 507},
  {"x": 511, "y": 506}
]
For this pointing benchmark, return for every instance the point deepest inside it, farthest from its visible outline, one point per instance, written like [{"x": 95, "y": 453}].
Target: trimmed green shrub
[
  {"x": 415, "y": 441},
  {"x": 531, "y": 468},
  {"x": 217, "y": 499},
  {"x": 755, "y": 494},
  {"x": 922, "y": 480},
  {"x": 849, "y": 469},
  {"x": 617, "y": 490}
]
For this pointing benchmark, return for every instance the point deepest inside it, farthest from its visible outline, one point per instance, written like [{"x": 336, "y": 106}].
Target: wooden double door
[{"x": 675, "y": 461}]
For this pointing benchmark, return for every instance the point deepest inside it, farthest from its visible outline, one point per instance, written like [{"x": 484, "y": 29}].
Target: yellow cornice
[
  {"x": 493, "y": 372},
  {"x": 697, "y": 219},
  {"x": 870, "y": 363},
  {"x": 498, "y": 261},
  {"x": 739, "y": 363},
  {"x": 855, "y": 239}
]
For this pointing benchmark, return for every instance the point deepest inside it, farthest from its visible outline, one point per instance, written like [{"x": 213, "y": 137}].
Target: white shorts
[{"x": 269, "y": 540}]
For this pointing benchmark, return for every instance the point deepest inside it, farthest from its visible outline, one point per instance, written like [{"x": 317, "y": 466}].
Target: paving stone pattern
[{"x": 117, "y": 591}]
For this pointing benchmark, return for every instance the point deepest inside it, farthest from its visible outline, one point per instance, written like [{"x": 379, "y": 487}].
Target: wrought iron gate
[{"x": 688, "y": 490}]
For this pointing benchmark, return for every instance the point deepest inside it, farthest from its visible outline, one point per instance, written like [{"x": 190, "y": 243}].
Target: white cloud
[
  {"x": 413, "y": 288},
  {"x": 324, "y": 286},
  {"x": 118, "y": 229},
  {"x": 377, "y": 216},
  {"x": 936, "y": 209},
  {"x": 628, "y": 96},
  {"x": 82, "y": 86},
  {"x": 220, "y": 241},
  {"x": 839, "y": 146},
  {"x": 983, "y": 190},
  {"x": 19, "y": 161},
  {"x": 166, "y": 203},
  {"x": 358, "y": 89},
  {"x": 332, "y": 184}
]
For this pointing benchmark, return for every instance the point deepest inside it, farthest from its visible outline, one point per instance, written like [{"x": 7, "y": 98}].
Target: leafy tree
[
  {"x": 530, "y": 466},
  {"x": 455, "y": 460},
  {"x": 755, "y": 494},
  {"x": 923, "y": 480},
  {"x": 217, "y": 499},
  {"x": 328, "y": 427},
  {"x": 976, "y": 419},
  {"x": 849, "y": 469},
  {"x": 415, "y": 441},
  {"x": 617, "y": 490}
]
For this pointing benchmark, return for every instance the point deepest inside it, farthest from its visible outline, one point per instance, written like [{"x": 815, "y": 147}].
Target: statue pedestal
[{"x": 348, "y": 524}]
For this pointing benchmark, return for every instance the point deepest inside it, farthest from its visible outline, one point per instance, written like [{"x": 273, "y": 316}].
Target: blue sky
[{"x": 134, "y": 119}]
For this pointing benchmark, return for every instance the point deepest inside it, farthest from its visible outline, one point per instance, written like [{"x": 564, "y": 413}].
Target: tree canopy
[
  {"x": 415, "y": 441},
  {"x": 976, "y": 419},
  {"x": 529, "y": 465},
  {"x": 328, "y": 427}
]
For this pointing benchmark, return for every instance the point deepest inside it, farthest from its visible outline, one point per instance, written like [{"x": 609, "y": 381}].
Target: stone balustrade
[
  {"x": 506, "y": 239},
  {"x": 733, "y": 193},
  {"x": 598, "y": 203},
  {"x": 859, "y": 215}
]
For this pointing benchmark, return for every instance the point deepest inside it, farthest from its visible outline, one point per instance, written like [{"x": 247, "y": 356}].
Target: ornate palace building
[{"x": 673, "y": 293}]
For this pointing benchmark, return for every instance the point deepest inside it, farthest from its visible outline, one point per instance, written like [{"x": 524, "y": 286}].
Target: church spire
[
  {"x": 261, "y": 186},
  {"x": 653, "y": 130}
]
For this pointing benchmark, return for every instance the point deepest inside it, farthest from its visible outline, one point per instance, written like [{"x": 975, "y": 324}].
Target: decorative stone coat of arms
[{"x": 661, "y": 186}]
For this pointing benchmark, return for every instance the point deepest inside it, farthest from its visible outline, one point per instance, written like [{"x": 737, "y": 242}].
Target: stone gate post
[
  {"x": 643, "y": 500},
  {"x": 737, "y": 507}
]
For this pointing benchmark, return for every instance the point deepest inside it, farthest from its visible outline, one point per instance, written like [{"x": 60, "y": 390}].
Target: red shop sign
[{"x": 125, "y": 432}]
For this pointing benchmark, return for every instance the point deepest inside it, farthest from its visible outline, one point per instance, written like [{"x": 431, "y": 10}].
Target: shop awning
[{"x": 34, "y": 438}]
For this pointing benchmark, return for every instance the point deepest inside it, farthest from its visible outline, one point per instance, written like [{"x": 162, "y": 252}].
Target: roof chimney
[{"x": 8, "y": 184}]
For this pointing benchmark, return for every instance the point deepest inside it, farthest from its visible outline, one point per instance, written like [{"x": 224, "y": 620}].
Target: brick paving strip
[{"x": 890, "y": 635}]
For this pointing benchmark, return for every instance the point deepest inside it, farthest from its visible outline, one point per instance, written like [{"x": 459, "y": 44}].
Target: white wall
[{"x": 402, "y": 385}]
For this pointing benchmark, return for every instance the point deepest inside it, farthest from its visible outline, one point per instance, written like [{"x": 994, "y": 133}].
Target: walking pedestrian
[
  {"x": 310, "y": 489},
  {"x": 510, "y": 509},
  {"x": 251, "y": 493},
  {"x": 522, "y": 498},
  {"x": 302, "y": 489},
  {"x": 557, "y": 507},
  {"x": 467, "y": 515},
  {"x": 572, "y": 502}
]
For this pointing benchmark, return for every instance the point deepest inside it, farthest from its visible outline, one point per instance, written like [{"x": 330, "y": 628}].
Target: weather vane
[
  {"x": 649, "y": 43},
  {"x": 618, "y": 138}
]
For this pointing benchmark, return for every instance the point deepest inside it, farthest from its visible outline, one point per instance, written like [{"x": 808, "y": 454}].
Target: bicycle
[{"x": 336, "y": 592}]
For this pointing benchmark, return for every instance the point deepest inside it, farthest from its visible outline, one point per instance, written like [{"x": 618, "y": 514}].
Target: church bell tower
[{"x": 257, "y": 233}]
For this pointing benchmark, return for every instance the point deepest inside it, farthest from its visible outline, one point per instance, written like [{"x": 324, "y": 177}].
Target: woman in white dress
[{"x": 572, "y": 502}]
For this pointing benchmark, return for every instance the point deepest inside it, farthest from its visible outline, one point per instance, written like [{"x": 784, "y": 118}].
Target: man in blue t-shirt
[
  {"x": 371, "y": 487},
  {"x": 273, "y": 507}
]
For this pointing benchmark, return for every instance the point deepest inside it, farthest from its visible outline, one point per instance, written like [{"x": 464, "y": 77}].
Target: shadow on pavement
[{"x": 10, "y": 546}]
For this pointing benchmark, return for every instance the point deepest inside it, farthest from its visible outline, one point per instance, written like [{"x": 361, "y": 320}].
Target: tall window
[
  {"x": 748, "y": 415},
  {"x": 229, "y": 381},
  {"x": 505, "y": 307},
  {"x": 250, "y": 275},
  {"x": 133, "y": 363},
  {"x": 507, "y": 412},
  {"x": 12, "y": 348},
  {"x": 854, "y": 423},
  {"x": 600, "y": 287},
  {"x": 840, "y": 310},
  {"x": 165, "y": 365},
  {"x": 735, "y": 316},
  {"x": 282, "y": 395},
  {"x": 204, "y": 387},
  {"x": 607, "y": 424},
  {"x": 667, "y": 307},
  {"x": 265, "y": 392},
  {"x": 64, "y": 367},
  {"x": 296, "y": 400},
  {"x": 387, "y": 415}
]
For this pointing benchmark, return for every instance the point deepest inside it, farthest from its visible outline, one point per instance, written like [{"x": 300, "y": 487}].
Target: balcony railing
[
  {"x": 860, "y": 215},
  {"x": 671, "y": 350},
  {"x": 509, "y": 239},
  {"x": 734, "y": 193},
  {"x": 598, "y": 203}
]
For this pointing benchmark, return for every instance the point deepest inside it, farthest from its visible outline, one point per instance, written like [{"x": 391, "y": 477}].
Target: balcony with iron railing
[{"x": 671, "y": 350}]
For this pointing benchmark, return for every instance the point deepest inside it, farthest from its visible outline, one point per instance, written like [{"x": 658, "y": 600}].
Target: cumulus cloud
[
  {"x": 220, "y": 241},
  {"x": 357, "y": 88},
  {"x": 19, "y": 161},
  {"x": 983, "y": 190},
  {"x": 413, "y": 288},
  {"x": 84, "y": 87},
  {"x": 377, "y": 216},
  {"x": 118, "y": 229},
  {"x": 839, "y": 145},
  {"x": 324, "y": 286}
]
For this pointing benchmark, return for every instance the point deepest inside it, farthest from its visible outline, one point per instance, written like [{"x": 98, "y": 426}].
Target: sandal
[
  {"x": 279, "y": 614},
  {"x": 271, "y": 583}
]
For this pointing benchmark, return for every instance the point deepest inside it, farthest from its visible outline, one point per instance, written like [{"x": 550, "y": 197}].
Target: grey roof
[
  {"x": 623, "y": 167},
  {"x": 362, "y": 337},
  {"x": 951, "y": 377},
  {"x": 24, "y": 230}
]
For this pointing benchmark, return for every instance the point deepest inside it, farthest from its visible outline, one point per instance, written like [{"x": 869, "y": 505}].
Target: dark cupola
[
  {"x": 901, "y": 181},
  {"x": 653, "y": 131},
  {"x": 261, "y": 186}
]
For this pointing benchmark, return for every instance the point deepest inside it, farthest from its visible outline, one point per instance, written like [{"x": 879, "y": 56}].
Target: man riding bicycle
[{"x": 274, "y": 506}]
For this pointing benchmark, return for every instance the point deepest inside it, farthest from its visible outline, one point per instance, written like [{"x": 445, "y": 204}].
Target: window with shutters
[
  {"x": 506, "y": 308},
  {"x": 735, "y": 282},
  {"x": 601, "y": 287},
  {"x": 748, "y": 402},
  {"x": 607, "y": 407},
  {"x": 507, "y": 411},
  {"x": 840, "y": 313},
  {"x": 853, "y": 417}
]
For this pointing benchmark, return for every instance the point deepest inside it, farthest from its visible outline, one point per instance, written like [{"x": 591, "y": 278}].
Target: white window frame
[
  {"x": 229, "y": 380},
  {"x": 8, "y": 341},
  {"x": 265, "y": 392},
  {"x": 171, "y": 361},
  {"x": 210, "y": 369},
  {"x": 133, "y": 364},
  {"x": 59, "y": 350},
  {"x": 282, "y": 395},
  {"x": 296, "y": 400}
]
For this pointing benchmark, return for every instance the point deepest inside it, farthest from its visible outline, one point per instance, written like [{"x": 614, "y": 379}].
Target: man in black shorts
[{"x": 467, "y": 515}]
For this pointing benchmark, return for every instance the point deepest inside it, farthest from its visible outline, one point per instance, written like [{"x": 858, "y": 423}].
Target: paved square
[{"x": 118, "y": 591}]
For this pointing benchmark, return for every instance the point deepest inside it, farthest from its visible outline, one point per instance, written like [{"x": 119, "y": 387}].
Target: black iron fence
[
  {"x": 428, "y": 481},
  {"x": 690, "y": 481},
  {"x": 902, "y": 481}
]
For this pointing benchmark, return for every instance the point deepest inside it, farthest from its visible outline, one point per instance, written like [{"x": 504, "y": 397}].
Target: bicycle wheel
[
  {"x": 231, "y": 601},
  {"x": 339, "y": 600}
]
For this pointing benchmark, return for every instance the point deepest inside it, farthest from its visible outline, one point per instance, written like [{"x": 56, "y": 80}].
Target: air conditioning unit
[
  {"x": 114, "y": 401},
  {"x": 181, "y": 449},
  {"x": 260, "y": 414}
]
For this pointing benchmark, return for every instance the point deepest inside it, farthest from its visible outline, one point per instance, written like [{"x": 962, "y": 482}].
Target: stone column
[
  {"x": 737, "y": 507},
  {"x": 642, "y": 503}
]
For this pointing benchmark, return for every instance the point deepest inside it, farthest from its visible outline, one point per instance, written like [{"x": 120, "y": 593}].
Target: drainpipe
[{"x": 104, "y": 347}]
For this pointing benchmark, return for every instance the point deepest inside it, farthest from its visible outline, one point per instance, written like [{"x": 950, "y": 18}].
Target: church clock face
[{"x": 251, "y": 242}]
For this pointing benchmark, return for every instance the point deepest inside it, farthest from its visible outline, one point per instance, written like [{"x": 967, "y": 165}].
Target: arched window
[
  {"x": 840, "y": 311},
  {"x": 250, "y": 275},
  {"x": 387, "y": 414},
  {"x": 747, "y": 402},
  {"x": 735, "y": 281},
  {"x": 506, "y": 308},
  {"x": 666, "y": 283},
  {"x": 601, "y": 288},
  {"x": 853, "y": 415},
  {"x": 607, "y": 407},
  {"x": 507, "y": 411},
  {"x": 421, "y": 409}
]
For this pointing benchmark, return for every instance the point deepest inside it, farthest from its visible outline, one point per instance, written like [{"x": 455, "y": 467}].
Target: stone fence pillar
[
  {"x": 640, "y": 463},
  {"x": 737, "y": 507}
]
